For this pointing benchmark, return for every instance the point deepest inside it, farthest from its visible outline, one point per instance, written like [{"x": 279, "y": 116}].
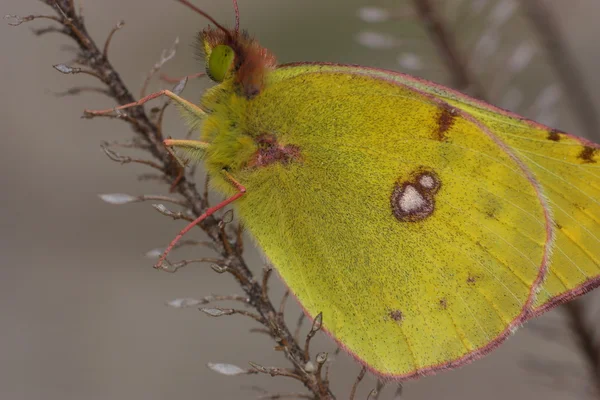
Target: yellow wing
[
  {"x": 412, "y": 227},
  {"x": 568, "y": 170}
]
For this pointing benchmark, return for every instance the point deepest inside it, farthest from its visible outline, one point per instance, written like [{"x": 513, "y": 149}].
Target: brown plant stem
[
  {"x": 139, "y": 121},
  {"x": 588, "y": 346}
]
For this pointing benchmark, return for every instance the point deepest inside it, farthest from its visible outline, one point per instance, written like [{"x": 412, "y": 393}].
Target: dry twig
[{"x": 98, "y": 65}]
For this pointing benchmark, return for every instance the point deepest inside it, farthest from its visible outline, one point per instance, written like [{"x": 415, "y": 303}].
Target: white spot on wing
[
  {"x": 427, "y": 181},
  {"x": 411, "y": 200}
]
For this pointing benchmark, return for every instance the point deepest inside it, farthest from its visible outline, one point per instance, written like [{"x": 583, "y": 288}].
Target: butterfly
[{"x": 424, "y": 225}]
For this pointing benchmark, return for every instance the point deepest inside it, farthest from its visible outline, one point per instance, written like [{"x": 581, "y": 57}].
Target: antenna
[
  {"x": 208, "y": 17},
  {"x": 237, "y": 16}
]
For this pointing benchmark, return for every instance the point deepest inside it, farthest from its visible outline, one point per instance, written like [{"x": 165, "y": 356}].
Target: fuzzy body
[{"x": 465, "y": 272}]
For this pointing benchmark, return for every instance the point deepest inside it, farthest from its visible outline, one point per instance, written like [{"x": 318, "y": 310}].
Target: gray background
[{"x": 82, "y": 311}]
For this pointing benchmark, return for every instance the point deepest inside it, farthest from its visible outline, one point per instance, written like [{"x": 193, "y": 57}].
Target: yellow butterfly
[{"x": 424, "y": 225}]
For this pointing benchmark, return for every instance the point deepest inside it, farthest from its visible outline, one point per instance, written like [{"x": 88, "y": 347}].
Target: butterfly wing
[
  {"x": 568, "y": 170},
  {"x": 400, "y": 220},
  {"x": 570, "y": 177}
]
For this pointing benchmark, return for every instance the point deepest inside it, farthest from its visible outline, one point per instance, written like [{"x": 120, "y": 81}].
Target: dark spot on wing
[
  {"x": 588, "y": 154},
  {"x": 558, "y": 225},
  {"x": 270, "y": 151},
  {"x": 413, "y": 199},
  {"x": 397, "y": 315},
  {"x": 443, "y": 304},
  {"x": 554, "y": 135},
  {"x": 445, "y": 121}
]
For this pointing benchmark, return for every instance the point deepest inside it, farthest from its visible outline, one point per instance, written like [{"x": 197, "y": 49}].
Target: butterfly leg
[
  {"x": 241, "y": 190},
  {"x": 190, "y": 108},
  {"x": 191, "y": 146}
]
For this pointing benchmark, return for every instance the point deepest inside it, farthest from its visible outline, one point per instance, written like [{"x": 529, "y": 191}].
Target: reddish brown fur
[{"x": 252, "y": 62}]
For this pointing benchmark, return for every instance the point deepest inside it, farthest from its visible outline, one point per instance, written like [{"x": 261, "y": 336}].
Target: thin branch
[
  {"x": 359, "y": 378},
  {"x": 330, "y": 361},
  {"x": 120, "y": 198},
  {"x": 15, "y": 20},
  {"x": 231, "y": 297},
  {"x": 113, "y": 155},
  {"x": 374, "y": 395},
  {"x": 316, "y": 326},
  {"x": 74, "y": 91},
  {"x": 168, "y": 213},
  {"x": 275, "y": 371},
  {"x": 66, "y": 9},
  {"x": 278, "y": 396},
  {"x": 225, "y": 238},
  {"x": 267, "y": 271},
  {"x": 118, "y": 26},
  {"x": 65, "y": 69},
  {"x": 220, "y": 312},
  {"x": 205, "y": 202},
  {"x": 134, "y": 143},
  {"x": 321, "y": 359},
  {"x": 398, "y": 392},
  {"x": 148, "y": 131},
  {"x": 155, "y": 253},
  {"x": 283, "y": 301},
  {"x": 49, "y": 29},
  {"x": 155, "y": 197},
  {"x": 173, "y": 268},
  {"x": 239, "y": 240},
  {"x": 301, "y": 319},
  {"x": 463, "y": 78},
  {"x": 584, "y": 334},
  {"x": 166, "y": 55}
]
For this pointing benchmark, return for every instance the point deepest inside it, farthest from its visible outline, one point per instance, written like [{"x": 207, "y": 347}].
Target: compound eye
[{"x": 220, "y": 62}]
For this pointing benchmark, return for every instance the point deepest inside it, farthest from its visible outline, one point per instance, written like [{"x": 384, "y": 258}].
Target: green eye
[{"x": 219, "y": 62}]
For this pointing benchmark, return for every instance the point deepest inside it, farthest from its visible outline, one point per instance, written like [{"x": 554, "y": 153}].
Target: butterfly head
[{"x": 233, "y": 56}]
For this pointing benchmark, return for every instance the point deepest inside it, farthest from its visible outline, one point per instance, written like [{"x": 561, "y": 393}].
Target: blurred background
[{"x": 83, "y": 313}]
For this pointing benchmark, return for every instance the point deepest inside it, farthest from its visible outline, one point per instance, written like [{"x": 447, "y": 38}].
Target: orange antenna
[
  {"x": 208, "y": 17},
  {"x": 237, "y": 16}
]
